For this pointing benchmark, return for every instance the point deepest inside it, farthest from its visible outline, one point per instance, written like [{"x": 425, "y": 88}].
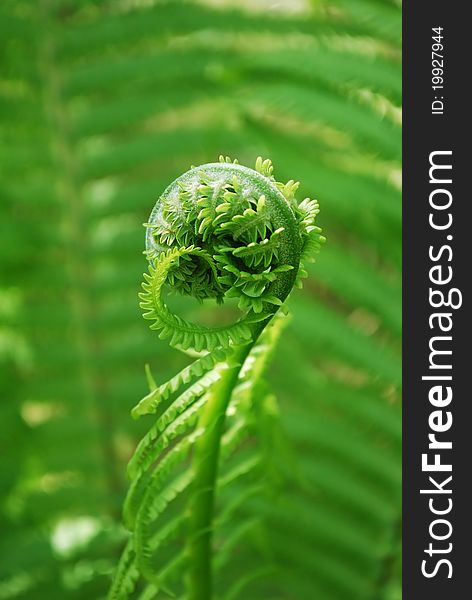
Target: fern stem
[
  {"x": 206, "y": 457},
  {"x": 74, "y": 253}
]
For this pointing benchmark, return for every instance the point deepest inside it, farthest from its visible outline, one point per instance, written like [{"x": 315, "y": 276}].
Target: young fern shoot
[{"x": 220, "y": 230}]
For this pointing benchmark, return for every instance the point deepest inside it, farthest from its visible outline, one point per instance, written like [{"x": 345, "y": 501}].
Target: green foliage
[
  {"x": 102, "y": 104},
  {"x": 235, "y": 250},
  {"x": 195, "y": 418}
]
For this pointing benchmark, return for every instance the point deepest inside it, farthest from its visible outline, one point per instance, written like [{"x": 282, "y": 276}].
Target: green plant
[
  {"x": 104, "y": 103},
  {"x": 219, "y": 231}
]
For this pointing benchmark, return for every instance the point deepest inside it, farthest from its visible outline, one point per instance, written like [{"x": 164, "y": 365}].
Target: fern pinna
[{"x": 219, "y": 231}]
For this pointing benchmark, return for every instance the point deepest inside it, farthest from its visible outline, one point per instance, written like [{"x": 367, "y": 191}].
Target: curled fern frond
[
  {"x": 223, "y": 230},
  {"x": 219, "y": 231}
]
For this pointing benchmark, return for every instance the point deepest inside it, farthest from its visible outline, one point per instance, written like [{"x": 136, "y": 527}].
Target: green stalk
[{"x": 206, "y": 457}]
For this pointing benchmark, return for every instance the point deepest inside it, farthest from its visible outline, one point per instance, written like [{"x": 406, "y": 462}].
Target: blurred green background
[{"x": 102, "y": 104}]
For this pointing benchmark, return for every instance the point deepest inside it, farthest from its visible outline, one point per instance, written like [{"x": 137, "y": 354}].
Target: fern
[
  {"x": 102, "y": 104},
  {"x": 194, "y": 420}
]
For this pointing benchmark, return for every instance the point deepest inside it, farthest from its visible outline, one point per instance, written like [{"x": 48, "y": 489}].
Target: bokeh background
[{"x": 102, "y": 104}]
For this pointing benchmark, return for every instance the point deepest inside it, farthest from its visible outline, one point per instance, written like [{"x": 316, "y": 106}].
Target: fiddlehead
[{"x": 219, "y": 231}]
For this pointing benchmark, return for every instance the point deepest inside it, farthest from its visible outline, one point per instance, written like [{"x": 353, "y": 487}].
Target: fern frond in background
[{"x": 104, "y": 103}]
